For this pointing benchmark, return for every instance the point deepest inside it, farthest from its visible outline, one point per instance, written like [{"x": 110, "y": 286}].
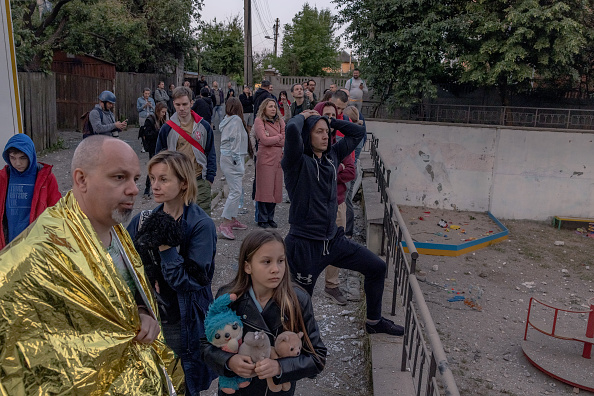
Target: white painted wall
[{"x": 514, "y": 173}]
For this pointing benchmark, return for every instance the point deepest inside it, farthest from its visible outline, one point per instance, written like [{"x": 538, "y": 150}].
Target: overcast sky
[{"x": 264, "y": 12}]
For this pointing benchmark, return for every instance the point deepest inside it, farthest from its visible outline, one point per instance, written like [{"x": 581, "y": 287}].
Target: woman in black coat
[{"x": 149, "y": 134}]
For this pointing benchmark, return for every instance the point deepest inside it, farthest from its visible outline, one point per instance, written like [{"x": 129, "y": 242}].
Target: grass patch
[
  {"x": 531, "y": 252},
  {"x": 59, "y": 145}
]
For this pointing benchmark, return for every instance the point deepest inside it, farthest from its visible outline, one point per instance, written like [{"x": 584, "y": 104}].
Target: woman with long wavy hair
[{"x": 270, "y": 134}]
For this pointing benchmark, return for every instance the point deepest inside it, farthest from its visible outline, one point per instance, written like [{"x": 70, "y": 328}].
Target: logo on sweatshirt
[{"x": 304, "y": 280}]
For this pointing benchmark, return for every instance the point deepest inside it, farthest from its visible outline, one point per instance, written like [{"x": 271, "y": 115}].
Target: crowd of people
[{"x": 103, "y": 300}]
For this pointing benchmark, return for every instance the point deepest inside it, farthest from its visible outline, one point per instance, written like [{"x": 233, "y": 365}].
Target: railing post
[
  {"x": 568, "y": 119},
  {"x": 536, "y": 118},
  {"x": 385, "y": 223},
  {"x": 389, "y": 251},
  {"x": 587, "y": 353},
  {"x": 413, "y": 262},
  {"x": 528, "y": 318},
  {"x": 407, "y": 301},
  {"x": 432, "y": 372},
  {"x": 420, "y": 330},
  {"x": 397, "y": 267}
]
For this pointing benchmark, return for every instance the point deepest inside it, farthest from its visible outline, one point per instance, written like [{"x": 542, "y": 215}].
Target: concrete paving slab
[{"x": 386, "y": 355}]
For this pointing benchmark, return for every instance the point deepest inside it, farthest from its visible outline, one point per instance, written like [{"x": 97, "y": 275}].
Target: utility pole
[
  {"x": 276, "y": 36},
  {"x": 247, "y": 47}
]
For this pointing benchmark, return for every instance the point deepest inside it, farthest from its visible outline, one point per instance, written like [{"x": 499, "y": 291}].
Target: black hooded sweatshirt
[
  {"x": 311, "y": 181},
  {"x": 203, "y": 107},
  {"x": 259, "y": 97}
]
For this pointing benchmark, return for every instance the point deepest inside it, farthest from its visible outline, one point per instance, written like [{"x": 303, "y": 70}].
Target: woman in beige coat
[{"x": 270, "y": 133}]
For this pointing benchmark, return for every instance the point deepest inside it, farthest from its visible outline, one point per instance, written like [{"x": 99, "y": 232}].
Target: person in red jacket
[{"x": 27, "y": 188}]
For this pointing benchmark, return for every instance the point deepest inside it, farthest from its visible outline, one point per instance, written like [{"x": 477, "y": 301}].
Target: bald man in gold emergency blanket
[{"x": 76, "y": 314}]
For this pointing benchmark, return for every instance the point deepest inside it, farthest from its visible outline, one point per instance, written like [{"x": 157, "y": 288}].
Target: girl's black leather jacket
[{"x": 269, "y": 321}]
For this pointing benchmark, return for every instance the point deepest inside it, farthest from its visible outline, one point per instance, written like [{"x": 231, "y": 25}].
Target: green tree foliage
[
  {"x": 309, "y": 43},
  {"x": 137, "y": 35},
  {"x": 407, "y": 47},
  {"x": 404, "y": 45},
  {"x": 585, "y": 58},
  {"x": 220, "y": 46},
  {"x": 261, "y": 61},
  {"x": 515, "y": 41}
]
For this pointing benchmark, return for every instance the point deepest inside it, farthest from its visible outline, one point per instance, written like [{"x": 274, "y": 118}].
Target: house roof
[{"x": 345, "y": 57}]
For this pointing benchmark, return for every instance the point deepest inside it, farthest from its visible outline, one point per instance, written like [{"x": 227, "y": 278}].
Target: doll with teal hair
[{"x": 224, "y": 330}]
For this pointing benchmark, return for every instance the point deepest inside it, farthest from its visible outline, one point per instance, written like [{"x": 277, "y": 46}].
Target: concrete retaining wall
[{"x": 514, "y": 173}]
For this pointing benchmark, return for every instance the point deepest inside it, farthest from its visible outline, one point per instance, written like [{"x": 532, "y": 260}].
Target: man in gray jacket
[
  {"x": 357, "y": 88},
  {"x": 161, "y": 94},
  {"x": 102, "y": 119}
]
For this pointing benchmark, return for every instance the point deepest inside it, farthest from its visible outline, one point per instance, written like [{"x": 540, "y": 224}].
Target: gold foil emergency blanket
[{"x": 67, "y": 319}]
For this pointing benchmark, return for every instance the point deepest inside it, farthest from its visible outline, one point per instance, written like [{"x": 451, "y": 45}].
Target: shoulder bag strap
[{"x": 185, "y": 135}]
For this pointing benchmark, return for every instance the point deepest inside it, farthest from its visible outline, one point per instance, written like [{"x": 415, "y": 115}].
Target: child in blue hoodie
[{"x": 27, "y": 187}]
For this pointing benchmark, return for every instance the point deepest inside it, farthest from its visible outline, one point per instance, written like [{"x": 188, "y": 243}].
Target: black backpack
[{"x": 149, "y": 133}]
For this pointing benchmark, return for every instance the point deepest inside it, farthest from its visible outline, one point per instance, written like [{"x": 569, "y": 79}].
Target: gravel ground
[{"x": 484, "y": 347}]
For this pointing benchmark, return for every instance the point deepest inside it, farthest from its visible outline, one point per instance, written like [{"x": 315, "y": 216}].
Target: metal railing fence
[
  {"x": 522, "y": 117},
  {"x": 422, "y": 351}
]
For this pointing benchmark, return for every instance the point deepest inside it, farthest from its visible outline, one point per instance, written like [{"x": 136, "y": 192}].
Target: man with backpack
[
  {"x": 357, "y": 88},
  {"x": 101, "y": 120}
]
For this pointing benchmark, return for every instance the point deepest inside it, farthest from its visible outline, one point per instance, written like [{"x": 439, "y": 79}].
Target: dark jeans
[
  {"x": 197, "y": 373},
  {"x": 309, "y": 257},
  {"x": 265, "y": 211}
]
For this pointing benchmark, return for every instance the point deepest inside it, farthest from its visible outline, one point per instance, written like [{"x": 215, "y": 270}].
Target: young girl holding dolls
[{"x": 267, "y": 301}]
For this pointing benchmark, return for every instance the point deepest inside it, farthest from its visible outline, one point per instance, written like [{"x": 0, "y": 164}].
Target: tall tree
[
  {"x": 405, "y": 47},
  {"x": 309, "y": 43},
  {"x": 515, "y": 41},
  {"x": 107, "y": 30},
  {"x": 585, "y": 59},
  {"x": 261, "y": 61},
  {"x": 137, "y": 35},
  {"x": 220, "y": 46}
]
